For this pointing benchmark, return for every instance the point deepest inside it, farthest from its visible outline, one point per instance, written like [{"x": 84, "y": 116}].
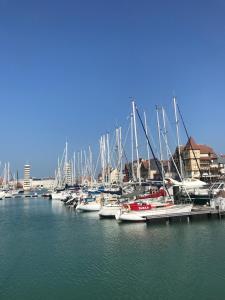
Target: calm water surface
[{"x": 48, "y": 251}]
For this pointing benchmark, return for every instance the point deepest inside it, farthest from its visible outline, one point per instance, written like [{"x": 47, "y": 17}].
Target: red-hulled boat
[
  {"x": 138, "y": 206},
  {"x": 159, "y": 193}
]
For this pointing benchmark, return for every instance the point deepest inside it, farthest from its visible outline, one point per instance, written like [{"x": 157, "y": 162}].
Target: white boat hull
[
  {"x": 142, "y": 215},
  {"x": 59, "y": 196},
  {"x": 2, "y": 195},
  {"x": 88, "y": 207},
  {"x": 8, "y": 196},
  {"x": 109, "y": 211}
]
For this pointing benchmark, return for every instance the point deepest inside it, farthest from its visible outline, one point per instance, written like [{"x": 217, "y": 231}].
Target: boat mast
[
  {"x": 153, "y": 154},
  {"x": 66, "y": 164},
  {"x": 117, "y": 155},
  {"x": 17, "y": 179},
  {"x": 178, "y": 137},
  {"x": 5, "y": 176},
  {"x": 66, "y": 154},
  {"x": 166, "y": 140},
  {"x": 86, "y": 165},
  {"x": 74, "y": 168},
  {"x": 147, "y": 146},
  {"x": 136, "y": 143},
  {"x": 108, "y": 158},
  {"x": 58, "y": 179},
  {"x": 81, "y": 165},
  {"x": 8, "y": 174},
  {"x": 132, "y": 145},
  {"x": 102, "y": 159},
  {"x": 160, "y": 145},
  {"x": 121, "y": 155},
  {"x": 78, "y": 167},
  {"x": 90, "y": 166}
]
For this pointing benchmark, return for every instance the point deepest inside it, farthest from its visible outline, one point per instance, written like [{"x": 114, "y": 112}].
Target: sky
[{"x": 69, "y": 68}]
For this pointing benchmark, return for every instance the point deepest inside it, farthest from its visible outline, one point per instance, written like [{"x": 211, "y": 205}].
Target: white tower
[
  {"x": 68, "y": 173},
  {"x": 26, "y": 182}
]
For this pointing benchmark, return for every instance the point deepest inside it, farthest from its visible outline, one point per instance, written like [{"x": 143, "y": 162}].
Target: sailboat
[
  {"x": 90, "y": 204},
  {"x": 2, "y": 195},
  {"x": 139, "y": 213}
]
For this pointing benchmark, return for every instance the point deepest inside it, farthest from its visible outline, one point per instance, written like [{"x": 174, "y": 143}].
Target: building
[
  {"x": 221, "y": 164},
  {"x": 114, "y": 176},
  {"x": 27, "y": 180},
  {"x": 148, "y": 170},
  {"x": 197, "y": 160},
  {"x": 68, "y": 174},
  {"x": 46, "y": 183}
]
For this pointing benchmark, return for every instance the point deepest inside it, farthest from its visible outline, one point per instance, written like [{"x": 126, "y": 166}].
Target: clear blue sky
[{"x": 68, "y": 68}]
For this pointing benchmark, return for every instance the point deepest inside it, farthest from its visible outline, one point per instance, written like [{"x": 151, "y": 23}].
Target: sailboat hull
[
  {"x": 88, "y": 207},
  {"x": 136, "y": 216},
  {"x": 109, "y": 211}
]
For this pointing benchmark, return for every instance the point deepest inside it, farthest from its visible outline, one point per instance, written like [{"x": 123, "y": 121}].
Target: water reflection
[{"x": 62, "y": 254}]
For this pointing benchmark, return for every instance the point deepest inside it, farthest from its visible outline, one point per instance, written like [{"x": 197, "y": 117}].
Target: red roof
[
  {"x": 204, "y": 149},
  {"x": 191, "y": 144}
]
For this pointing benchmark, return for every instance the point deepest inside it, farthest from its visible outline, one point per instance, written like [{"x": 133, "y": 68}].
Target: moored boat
[
  {"x": 109, "y": 210},
  {"x": 90, "y": 204},
  {"x": 2, "y": 195},
  {"x": 62, "y": 195},
  {"x": 134, "y": 213}
]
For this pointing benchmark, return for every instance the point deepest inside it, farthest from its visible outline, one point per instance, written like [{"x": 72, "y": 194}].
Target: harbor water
[{"x": 48, "y": 251}]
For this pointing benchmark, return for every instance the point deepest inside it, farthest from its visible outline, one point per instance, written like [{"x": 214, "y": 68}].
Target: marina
[{"x": 112, "y": 157}]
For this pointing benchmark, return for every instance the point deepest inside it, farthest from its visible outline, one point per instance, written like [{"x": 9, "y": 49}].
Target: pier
[{"x": 196, "y": 213}]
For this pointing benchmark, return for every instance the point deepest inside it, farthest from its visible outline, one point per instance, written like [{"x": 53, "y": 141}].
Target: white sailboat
[
  {"x": 90, "y": 204},
  {"x": 2, "y": 195},
  {"x": 110, "y": 208},
  {"x": 137, "y": 216}
]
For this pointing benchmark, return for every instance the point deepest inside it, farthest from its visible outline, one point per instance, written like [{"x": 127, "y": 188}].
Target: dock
[{"x": 197, "y": 213}]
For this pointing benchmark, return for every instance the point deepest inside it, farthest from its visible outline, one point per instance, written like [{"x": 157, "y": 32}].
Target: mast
[
  {"x": 136, "y": 143},
  {"x": 153, "y": 154},
  {"x": 178, "y": 137},
  {"x": 166, "y": 140},
  {"x": 74, "y": 168},
  {"x": 58, "y": 178},
  {"x": 85, "y": 165},
  {"x": 108, "y": 158},
  {"x": 66, "y": 153},
  {"x": 132, "y": 145},
  {"x": 121, "y": 154},
  {"x": 66, "y": 165},
  {"x": 5, "y": 176},
  {"x": 8, "y": 174},
  {"x": 118, "y": 153},
  {"x": 102, "y": 158},
  {"x": 78, "y": 167},
  {"x": 81, "y": 165},
  {"x": 160, "y": 145},
  {"x": 90, "y": 165},
  {"x": 17, "y": 179},
  {"x": 147, "y": 146}
]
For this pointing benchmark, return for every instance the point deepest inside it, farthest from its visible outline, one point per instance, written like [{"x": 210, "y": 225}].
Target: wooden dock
[{"x": 201, "y": 213}]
